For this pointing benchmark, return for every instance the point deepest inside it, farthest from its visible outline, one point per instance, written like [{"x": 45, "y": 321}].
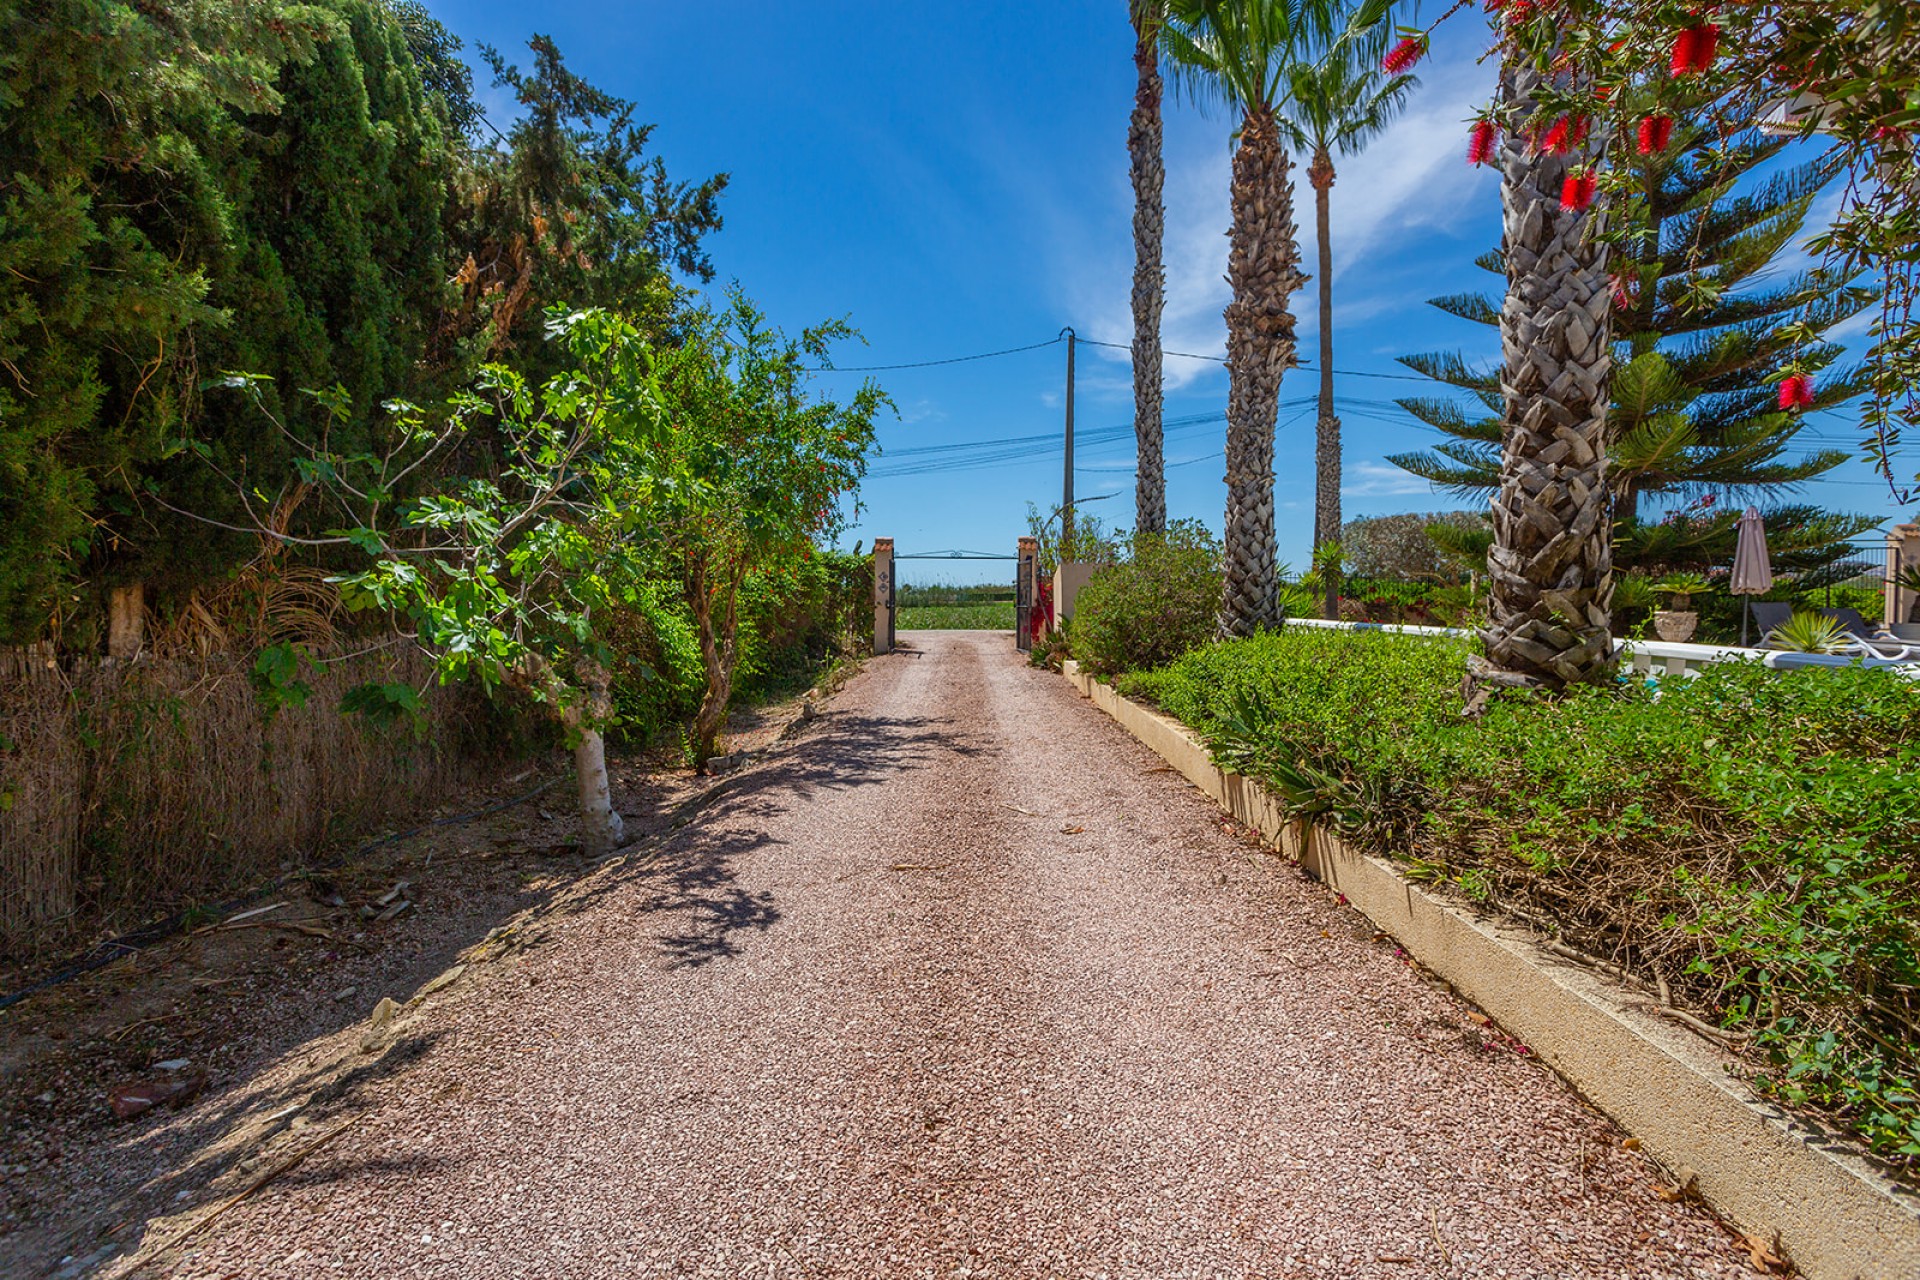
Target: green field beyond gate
[{"x": 987, "y": 607}]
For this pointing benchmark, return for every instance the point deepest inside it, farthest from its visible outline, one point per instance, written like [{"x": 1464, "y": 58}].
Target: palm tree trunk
[
  {"x": 1326, "y": 438},
  {"x": 1263, "y": 269},
  {"x": 1149, "y": 280},
  {"x": 1551, "y": 566}
]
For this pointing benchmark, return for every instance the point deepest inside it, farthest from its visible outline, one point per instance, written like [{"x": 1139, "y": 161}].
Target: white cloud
[
  {"x": 1414, "y": 176},
  {"x": 1369, "y": 479},
  {"x": 922, "y": 410}
]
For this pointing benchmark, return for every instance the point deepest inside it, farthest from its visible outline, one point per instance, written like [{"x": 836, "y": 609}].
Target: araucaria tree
[
  {"x": 1241, "y": 53},
  {"x": 1703, "y": 317},
  {"x": 1550, "y": 569},
  {"x": 1149, "y": 173},
  {"x": 760, "y": 470},
  {"x": 1336, "y": 104}
]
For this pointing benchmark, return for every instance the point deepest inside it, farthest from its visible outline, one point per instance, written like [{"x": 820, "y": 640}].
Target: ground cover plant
[{"x": 1743, "y": 842}]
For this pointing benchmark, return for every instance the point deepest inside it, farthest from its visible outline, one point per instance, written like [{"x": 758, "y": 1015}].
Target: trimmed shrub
[
  {"x": 1749, "y": 839},
  {"x": 1160, "y": 602}
]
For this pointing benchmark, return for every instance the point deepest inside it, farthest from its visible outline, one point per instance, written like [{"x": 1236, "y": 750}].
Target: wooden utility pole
[{"x": 1066, "y": 488}]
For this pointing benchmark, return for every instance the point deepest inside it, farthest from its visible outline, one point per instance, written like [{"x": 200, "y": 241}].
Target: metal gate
[
  {"x": 1023, "y": 606},
  {"x": 893, "y": 612},
  {"x": 1024, "y": 588}
]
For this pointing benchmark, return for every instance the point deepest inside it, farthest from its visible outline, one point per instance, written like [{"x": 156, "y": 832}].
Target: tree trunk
[
  {"x": 126, "y": 620},
  {"x": 1326, "y": 438},
  {"x": 1263, "y": 269},
  {"x": 601, "y": 828},
  {"x": 1550, "y": 568},
  {"x": 1149, "y": 281},
  {"x": 719, "y": 646}
]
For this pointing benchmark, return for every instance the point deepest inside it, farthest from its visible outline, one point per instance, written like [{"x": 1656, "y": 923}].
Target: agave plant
[{"x": 1808, "y": 633}]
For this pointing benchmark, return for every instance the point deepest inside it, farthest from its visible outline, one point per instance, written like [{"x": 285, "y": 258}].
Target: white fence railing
[{"x": 1653, "y": 657}]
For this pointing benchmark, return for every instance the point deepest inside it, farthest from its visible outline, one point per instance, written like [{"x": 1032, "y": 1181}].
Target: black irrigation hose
[{"x": 146, "y": 935}]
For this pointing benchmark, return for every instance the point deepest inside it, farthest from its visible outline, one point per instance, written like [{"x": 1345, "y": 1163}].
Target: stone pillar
[
  {"x": 883, "y": 595},
  {"x": 126, "y": 620},
  {"x": 1026, "y": 582},
  {"x": 1903, "y": 553},
  {"x": 1067, "y": 581}
]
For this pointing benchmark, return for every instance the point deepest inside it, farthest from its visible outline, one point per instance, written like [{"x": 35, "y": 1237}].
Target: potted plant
[{"x": 1676, "y": 623}]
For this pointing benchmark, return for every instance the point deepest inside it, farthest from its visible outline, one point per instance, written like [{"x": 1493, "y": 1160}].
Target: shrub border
[{"x": 1774, "y": 1175}]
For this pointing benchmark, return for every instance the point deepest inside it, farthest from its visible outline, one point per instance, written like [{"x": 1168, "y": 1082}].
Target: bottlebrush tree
[{"x": 1847, "y": 71}]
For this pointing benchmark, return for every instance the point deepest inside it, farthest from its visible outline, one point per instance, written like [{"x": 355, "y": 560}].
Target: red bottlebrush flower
[
  {"x": 1622, "y": 299},
  {"x": 1796, "y": 392},
  {"x": 1401, "y": 57},
  {"x": 1655, "y": 133},
  {"x": 1693, "y": 48},
  {"x": 1480, "y": 149},
  {"x": 1581, "y": 124},
  {"x": 1555, "y": 142},
  {"x": 1577, "y": 192},
  {"x": 1519, "y": 13}
]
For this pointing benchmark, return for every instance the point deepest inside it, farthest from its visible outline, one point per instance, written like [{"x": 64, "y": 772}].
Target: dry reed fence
[{"x": 129, "y": 789}]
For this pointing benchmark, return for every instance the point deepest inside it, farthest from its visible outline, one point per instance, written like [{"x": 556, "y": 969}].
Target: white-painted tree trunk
[
  {"x": 601, "y": 828},
  {"x": 126, "y": 620}
]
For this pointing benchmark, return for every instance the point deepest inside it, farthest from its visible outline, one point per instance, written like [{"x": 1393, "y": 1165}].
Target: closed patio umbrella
[{"x": 1752, "y": 570}]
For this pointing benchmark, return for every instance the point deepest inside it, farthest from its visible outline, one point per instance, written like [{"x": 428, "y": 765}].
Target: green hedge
[
  {"x": 1748, "y": 837},
  {"x": 1155, "y": 605}
]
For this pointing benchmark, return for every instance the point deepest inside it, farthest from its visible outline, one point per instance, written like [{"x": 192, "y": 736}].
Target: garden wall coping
[{"x": 1771, "y": 1174}]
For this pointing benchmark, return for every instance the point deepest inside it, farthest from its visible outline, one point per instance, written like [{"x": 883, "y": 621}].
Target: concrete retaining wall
[{"x": 1770, "y": 1174}]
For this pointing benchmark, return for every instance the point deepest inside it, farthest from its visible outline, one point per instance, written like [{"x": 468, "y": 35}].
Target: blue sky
[{"x": 953, "y": 179}]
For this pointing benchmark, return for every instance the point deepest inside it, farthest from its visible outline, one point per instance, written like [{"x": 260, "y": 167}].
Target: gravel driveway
[{"x": 958, "y": 982}]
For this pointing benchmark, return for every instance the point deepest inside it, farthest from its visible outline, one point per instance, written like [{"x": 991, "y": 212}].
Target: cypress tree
[
  {"x": 1701, "y": 328},
  {"x": 112, "y": 117},
  {"x": 330, "y": 279}
]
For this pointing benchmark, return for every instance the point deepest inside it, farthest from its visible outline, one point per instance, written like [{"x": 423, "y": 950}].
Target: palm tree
[
  {"x": 1550, "y": 568},
  {"x": 1149, "y": 277},
  {"x": 1241, "y": 53},
  {"x": 1337, "y": 104}
]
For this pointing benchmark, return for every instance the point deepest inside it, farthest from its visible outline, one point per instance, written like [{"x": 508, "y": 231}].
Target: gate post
[
  {"x": 883, "y": 595},
  {"x": 1023, "y": 594}
]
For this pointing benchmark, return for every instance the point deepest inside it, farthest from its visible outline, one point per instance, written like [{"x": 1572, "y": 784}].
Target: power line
[
  {"x": 928, "y": 364},
  {"x": 1303, "y": 364},
  {"x": 1054, "y": 341}
]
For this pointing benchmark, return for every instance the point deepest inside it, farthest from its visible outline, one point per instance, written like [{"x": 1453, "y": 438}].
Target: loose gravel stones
[{"x": 953, "y": 983}]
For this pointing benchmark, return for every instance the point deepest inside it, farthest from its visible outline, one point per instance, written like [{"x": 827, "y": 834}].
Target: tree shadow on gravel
[
  {"x": 694, "y": 878},
  {"x": 683, "y": 880},
  {"x": 847, "y": 751},
  {"x": 698, "y": 886},
  {"x": 329, "y": 1092}
]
